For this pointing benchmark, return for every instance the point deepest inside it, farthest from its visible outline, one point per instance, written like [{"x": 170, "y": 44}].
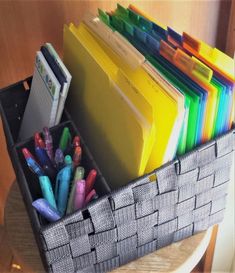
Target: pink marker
[
  {"x": 79, "y": 197},
  {"x": 90, "y": 196},
  {"x": 90, "y": 180}
]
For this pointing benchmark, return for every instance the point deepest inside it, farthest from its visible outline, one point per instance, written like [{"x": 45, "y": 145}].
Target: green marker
[
  {"x": 79, "y": 175},
  {"x": 65, "y": 139}
]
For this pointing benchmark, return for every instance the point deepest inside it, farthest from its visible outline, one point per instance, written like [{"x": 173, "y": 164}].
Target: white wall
[{"x": 225, "y": 249}]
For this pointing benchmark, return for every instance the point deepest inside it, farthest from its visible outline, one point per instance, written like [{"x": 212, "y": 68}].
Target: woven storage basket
[
  {"x": 179, "y": 199},
  {"x": 188, "y": 197}
]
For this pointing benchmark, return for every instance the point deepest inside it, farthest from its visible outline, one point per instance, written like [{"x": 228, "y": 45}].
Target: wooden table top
[{"x": 178, "y": 257}]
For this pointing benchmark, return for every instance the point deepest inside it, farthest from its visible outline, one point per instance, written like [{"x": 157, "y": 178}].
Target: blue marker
[
  {"x": 43, "y": 157},
  {"x": 46, "y": 210},
  {"x": 47, "y": 191},
  {"x": 62, "y": 188}
]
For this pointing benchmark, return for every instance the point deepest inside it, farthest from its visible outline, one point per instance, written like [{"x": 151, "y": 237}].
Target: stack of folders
[
  {"x": 142, "y": 93},
  {"x": 50, "y": 85}
]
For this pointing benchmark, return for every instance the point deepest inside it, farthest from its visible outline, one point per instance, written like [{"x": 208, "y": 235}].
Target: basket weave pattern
[{"x": 187, "y": 196}]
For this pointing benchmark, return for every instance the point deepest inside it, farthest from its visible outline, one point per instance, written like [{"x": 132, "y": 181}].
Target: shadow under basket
[{"x": 178, "y": 200}]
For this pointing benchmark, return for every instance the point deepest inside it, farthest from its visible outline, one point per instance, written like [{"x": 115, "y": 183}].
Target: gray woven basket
[{"x": 174, "y": 202}]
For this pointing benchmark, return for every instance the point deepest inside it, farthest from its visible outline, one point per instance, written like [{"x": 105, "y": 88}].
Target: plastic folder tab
[
  {"x": 110, "y": 123},
  {"x": 125, "y": 50},
  {"x": 165, "y": 107}
]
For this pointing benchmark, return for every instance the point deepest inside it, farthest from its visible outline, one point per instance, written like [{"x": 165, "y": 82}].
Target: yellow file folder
[
  {"x": 164, "y": 106},
  {"x": 117, "y": 132}
]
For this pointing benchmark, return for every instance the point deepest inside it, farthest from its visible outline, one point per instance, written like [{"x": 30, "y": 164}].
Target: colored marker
[
  {"x": 79, "y": 197},
  {"x": 43, "y": 157},
  {"x": 27, "y": 154},
  {"x": 77, "y": 156},
  {"x": 47, "y": 191},
  {"x": 62, "y": 188},
  {"x": 90, "y": 196},
  {"x": 39, "y": 141},
  {"x": 68, "y": 160},
  {"x": 79, "y": 175},
  {"x": 46, "y": 210},
  {"x": 32, "y": 164},
  {"x": 65, "y": 139},
  {"x": 76, "y": 141},
  {"x": 90, "y": 180},
  {"x": 59, "y": 158},
  {"x": 48, "y": 143}
]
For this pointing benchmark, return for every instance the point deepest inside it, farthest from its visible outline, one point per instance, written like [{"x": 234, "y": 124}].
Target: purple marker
[
  {"x": 79, "y": 196},
  {"x": 59, "y": 158},
  {"x": 48, "y": 143},
  {"x": 46, "y": 210}
]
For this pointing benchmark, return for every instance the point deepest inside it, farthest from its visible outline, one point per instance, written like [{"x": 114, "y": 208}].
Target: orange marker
[{"x": 77, "y": 156}]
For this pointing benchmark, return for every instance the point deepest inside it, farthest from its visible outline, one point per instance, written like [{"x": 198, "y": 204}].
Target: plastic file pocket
[{"x": 169, "y": 204}]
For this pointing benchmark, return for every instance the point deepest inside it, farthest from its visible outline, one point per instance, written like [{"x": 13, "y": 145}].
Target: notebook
[
  {"x": 68, "y": 77},
  {"x": 43, "y": 100}
]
